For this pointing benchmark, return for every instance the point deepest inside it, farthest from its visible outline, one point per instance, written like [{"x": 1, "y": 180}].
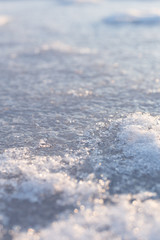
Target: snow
[
  {"x": 135, "y": 17},
  {"x": 79, "y": 120},
  {"x": 139, "y": 140}
]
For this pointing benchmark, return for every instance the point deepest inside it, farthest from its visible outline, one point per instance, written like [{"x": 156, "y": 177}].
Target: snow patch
[
  {"x": 80, "y": 92},
  {"x": 23, "y": 177},
  {"x": 129, "y": 218},
  {"x": 139, "y": 138},
  {"x": 65, "y": 48},
  {"x": 135, "y": 17}
]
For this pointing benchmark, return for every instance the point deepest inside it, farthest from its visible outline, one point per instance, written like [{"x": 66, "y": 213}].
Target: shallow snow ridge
[{"x": 139, "y": 139}]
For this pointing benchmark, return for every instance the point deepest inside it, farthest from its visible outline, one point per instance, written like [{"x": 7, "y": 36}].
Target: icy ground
[{"x": 79, "y": 120}]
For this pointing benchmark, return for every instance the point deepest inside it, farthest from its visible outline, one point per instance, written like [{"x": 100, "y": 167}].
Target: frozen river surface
[{"x": 79, "y": 120}]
